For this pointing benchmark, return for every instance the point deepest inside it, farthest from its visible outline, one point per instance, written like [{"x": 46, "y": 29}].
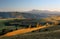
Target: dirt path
[{"x": 22, "y": 31}]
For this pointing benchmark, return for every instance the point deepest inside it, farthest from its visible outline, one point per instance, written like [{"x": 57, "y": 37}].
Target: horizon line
[{"x": 30, "y": 10}]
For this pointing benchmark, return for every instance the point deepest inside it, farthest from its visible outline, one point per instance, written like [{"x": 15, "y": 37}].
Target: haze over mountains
[{"x": 36, "y": 14}]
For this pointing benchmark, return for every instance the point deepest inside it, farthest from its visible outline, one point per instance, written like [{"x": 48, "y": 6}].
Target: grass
[
  {"x": 51, "y": 33},
  {"x": 37, "y": 35}
]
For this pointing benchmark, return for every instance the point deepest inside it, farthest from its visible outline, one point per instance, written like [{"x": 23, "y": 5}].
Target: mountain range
[{"x": 33, "y": 14}]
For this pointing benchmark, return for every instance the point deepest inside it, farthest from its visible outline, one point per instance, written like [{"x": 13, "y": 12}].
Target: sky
[{"x": 26, "y": 5}]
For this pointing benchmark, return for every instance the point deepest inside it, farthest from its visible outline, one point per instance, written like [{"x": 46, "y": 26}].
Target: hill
[
  {"x": 51, "y": 33},
  {"x": 20, "y": 15},
  {"x": 34, "y": 14}
]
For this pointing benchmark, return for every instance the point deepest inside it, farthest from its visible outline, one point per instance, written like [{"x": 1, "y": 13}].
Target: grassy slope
[{"x": 52, "y": 33}]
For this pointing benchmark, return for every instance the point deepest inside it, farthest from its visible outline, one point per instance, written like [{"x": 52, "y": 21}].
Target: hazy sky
[{"x": 25, "y": 5}]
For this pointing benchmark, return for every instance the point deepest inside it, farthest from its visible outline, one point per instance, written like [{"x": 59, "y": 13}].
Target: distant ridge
[{"x": 33, "y": 14}]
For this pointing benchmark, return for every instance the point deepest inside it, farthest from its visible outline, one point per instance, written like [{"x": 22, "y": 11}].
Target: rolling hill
[
  {"x": 20, "y": 15},
  {"x": 34, "y": 14}
]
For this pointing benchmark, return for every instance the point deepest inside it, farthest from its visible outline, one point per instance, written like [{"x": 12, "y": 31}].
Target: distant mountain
[
  {"x": 33, "y": 14},
  {"x": 44, "y": 12}
]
